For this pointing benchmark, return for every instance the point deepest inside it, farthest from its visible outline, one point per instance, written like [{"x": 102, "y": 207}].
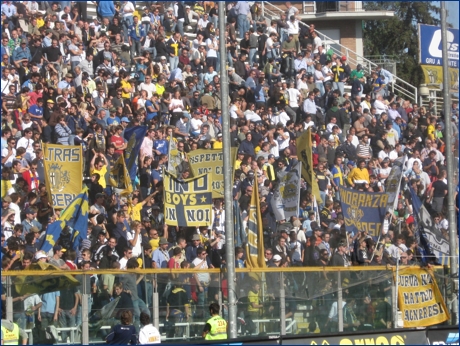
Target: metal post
[
  {"x": 449, "y": 157},
  {"x": 339, "y": 302},
  {"x": 9, "y": 299},
  {"x": 395, "y": 297},
  {"x": 84, "y": 311},
  {"x": 145, "y": 276},
  {"x": 220, "y": 294},
  {"x": 228, "y": 178},
  {"x": 282, "y": 306},
  {"x": 263, "y": 8},
  {"x": 156, "y": 304}
]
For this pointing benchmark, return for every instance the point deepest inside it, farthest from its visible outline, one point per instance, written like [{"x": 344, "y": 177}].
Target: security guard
[
  {"x": 216, "y": 326},
  {"x": 11, "y": 333}
]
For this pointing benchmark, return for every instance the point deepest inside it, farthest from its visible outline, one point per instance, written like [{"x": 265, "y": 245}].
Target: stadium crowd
[{"x": 73, "y": 80}]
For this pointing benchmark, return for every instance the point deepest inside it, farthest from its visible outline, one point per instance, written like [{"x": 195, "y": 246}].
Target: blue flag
[
  {"x": 75, "y": 216},
  {"x": 431, "y": 241},
  {"x": 135, "y": 136},
  {"x": 240, "y": 234},
  {"x": 363, "y": 211}
]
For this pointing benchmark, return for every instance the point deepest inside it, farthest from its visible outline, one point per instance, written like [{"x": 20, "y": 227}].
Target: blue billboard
[{"x": 430, "y": 45}]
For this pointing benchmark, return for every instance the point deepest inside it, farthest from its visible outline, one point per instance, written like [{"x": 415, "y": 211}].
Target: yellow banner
[
  {"x": 419, "y": 298},
  {"x": 304, "y": 154},
  {"x": 255, "y": 246},
  {"x": 188, "y": 203},
  {"x": 63, "y": 173},
  {"x": 119, "y": 177},
  {"x": 433, "y": 75},
  {"x": 211, "y": 161}
]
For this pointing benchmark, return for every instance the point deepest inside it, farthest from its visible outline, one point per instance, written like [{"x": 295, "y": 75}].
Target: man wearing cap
[
  {"x": 30, "y": 220},
  {"x": 57, "y": 260},
  {"x": 21, "y": 53},
  {"x": 66, "y": 83},
  {"x": 160, "y": 257},
  {"x": 191, "y": 250},
  {"x": 268, "y": 168},
  {"x": 8, "y": 221}
]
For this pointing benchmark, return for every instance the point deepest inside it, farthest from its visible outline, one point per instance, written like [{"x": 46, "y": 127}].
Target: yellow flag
[
  {"x": 304, "y": 154},
  {"x": 63, "y": 173},
  {"x": 119, "y": 177},
  {"x": 420, "y": 299},
  {"x": 255, "y": 245}
]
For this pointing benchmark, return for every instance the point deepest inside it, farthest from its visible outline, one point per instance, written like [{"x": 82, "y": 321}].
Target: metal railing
[
  {"x": 399, "y": 86},
  {"x": 312, "y": 290}
]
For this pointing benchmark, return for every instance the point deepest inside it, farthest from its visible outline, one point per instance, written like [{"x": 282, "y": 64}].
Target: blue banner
[
  {"x": 135, "y": 136},
  {"x": 363, "y": 211},
  {"x": 76, "y": 217},
  {"x": 430, "y": 239},
  {"x": 431, "y": 47}
]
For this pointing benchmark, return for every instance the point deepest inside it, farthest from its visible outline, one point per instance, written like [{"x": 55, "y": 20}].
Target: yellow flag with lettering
[
  {"x": 211, "y": 161},
  {"x": 419, "y": 298},
  {"x": 255, "y": 244},
  {"x": 304, "y": 154},
  {"x": 63, "y": 173}
]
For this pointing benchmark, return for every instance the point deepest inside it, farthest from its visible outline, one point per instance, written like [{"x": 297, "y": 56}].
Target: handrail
[
  {"x": 367, "y": 64},
  {"x": 165, "y": 271}
]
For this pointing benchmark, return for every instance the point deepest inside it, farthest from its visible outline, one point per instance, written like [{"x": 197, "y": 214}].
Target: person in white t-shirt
[
  {"x": 195, "y": 123},
  {"x": 148, "y": 334},
  {"x": 251, "y": 115},
  {"x": 134, "y": 238},
  {"x": 280, "y": 117},
  {"x": 124, "y": 260},
  {"x": 282, "y": 138},
  {"x": 294, "y": 97}
]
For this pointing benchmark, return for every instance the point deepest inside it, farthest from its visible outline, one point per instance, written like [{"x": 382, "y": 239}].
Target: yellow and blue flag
[
  {"x": 304, "y": 154},
  {"x": 75, "y": 216},
  {"x": 255, "y": 244},
  {"x": 119, "y": 177},
  {"x": 135, "y": 136}
]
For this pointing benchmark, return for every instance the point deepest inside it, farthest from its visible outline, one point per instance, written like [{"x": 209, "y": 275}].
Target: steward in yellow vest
[
  {"x": 216, "y": 326},
  {"x": 11, "y": 333}
]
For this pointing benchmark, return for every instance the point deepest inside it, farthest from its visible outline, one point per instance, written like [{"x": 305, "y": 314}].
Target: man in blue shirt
[
  {"x": 160, "y": 145},
  {"x": 141, "y": 68},
  {"x": 113, "y": 119},
  {"x": 21, "y": 53},
  {"x": 242, "y": 9},
  {"x": 136, "y": 32},
  {"x": 36, "y": 111},
  {"x": 10, "y": 12}
]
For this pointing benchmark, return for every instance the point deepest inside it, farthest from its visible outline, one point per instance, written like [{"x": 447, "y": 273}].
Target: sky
[{"x": 452, "y": 13}]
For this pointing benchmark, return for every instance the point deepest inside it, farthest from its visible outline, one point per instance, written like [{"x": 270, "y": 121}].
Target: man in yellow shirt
[
  {"x": 359, "y": 174},
  {"x": 431, "y": 128},
  {"x": 254, "y": 306},
  {"x": 239, "y": 160},
  {"x": 218, "y": 143},
  {"x": 126, "y": 88},
  {"x": 160, "y": 86},
  {"x": 99, "y": 165},
  {"x": 136, "y": 206}
]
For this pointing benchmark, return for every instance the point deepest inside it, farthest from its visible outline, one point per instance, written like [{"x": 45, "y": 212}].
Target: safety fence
[{"x": 271, "y": 302}]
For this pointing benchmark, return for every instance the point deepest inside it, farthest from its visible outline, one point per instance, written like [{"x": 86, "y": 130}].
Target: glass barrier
[{"x": 270, "y": 302}]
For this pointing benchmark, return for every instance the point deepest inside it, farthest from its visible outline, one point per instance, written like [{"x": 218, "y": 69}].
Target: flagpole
[
  {"x": 451, "y": 214},
  {"x": 228, "y": 178}
]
